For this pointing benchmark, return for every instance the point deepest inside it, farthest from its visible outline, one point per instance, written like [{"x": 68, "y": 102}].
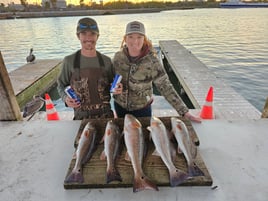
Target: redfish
[
  {"x": 85, "y": 149},
  {"x": 163, "y": 148},
  {"x": 134, "y": 141},
  {"x": 186, "y": 146},
  {"x": 112, "y": 141}
]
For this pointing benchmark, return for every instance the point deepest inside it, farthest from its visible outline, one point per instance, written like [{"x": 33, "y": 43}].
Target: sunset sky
[{"x": 6, "y": 2}]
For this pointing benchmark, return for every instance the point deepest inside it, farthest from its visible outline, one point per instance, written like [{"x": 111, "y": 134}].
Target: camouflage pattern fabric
[{"x": 138, "y": 79}]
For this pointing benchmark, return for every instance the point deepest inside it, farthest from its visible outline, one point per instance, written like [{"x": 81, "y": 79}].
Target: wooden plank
[
  {"x": 265, "y": 110},
  {"x": 196, "y": 79},
  {"x": 34, "y": 79},
  {"x": 95, "y": 170},
  {"x": 9, "y": 110}
]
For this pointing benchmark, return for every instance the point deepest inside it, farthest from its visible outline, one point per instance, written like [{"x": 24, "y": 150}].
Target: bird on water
[{"x": 30, "y": 58}]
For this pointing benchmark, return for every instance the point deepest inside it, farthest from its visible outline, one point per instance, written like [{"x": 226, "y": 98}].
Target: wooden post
[
  {"x": 265, "y": 110},
  {"x": 9, "y": 110}
]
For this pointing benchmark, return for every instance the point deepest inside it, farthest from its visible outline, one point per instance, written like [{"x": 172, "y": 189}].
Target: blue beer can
[
  {"x": 117, "y": 79},
  {"x": 71, "y": 93}
]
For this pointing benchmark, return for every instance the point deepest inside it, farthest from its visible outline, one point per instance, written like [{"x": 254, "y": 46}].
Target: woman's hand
[
  {"x": 191, "y": 117},
  {"x": 118, "y": 89},
  {"x": 72, "y": 102}
]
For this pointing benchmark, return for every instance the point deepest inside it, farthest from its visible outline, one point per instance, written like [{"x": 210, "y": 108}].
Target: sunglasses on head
[{"x": 86, "y": 26}]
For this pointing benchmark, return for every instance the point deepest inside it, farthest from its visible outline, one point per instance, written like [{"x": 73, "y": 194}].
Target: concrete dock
[
  {"x": 196, "y": 79},
  {"x": 34, "y": 79},
  {"x": 35, "y": 156}
]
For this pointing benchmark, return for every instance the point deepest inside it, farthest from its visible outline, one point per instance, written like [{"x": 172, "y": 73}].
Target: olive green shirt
[{"x": 67, "y": 69}]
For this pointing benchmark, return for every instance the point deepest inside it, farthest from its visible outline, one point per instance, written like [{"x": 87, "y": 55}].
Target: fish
[
  {"x": 85, "y": 149},
  {"x": 163, "y": 147},
  {"x": 186, "y": 146},
  {"x": 134, "y": 141},
  {"x": 33, "y": 106},
  {"x": 112, "y": 140}
]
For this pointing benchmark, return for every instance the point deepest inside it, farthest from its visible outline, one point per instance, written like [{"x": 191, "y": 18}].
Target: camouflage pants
[{"x": 79, "y": 115}]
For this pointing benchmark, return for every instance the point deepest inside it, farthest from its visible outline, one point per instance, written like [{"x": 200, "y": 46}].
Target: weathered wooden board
[
  {"x": 9, "y": 110},
  {"x": 34, "y": 79},
  {"x": 195, "y": 78},
  {"x": 95, "y": 170},
  {"x": 265, "y": 110}
]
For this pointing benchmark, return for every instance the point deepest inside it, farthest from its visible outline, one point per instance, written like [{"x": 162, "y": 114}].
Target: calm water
[{"x": 231, "y": 42}]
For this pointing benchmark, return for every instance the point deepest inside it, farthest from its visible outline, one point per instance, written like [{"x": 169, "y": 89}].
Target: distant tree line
[{"x": 121, "y": 4}]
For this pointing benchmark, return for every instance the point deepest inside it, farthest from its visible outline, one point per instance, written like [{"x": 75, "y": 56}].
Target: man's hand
[{"x": 72, "y": 102}]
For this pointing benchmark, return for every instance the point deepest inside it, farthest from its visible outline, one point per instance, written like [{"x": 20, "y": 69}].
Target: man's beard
[{"x": 89, "y": 45}]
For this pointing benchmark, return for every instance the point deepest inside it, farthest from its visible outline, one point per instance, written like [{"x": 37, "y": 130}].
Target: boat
[{"x": 241, "y": 4}]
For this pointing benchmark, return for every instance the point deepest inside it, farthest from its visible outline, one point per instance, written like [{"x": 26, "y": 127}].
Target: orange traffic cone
[
  {"x": 207, "y": 110},
  {"x": 50, "y": 109}
]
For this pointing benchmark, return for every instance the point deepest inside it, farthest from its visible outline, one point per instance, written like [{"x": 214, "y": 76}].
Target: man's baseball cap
[
  {"x": 87, "y": 24},
  {"x": 135, "y": 27}
]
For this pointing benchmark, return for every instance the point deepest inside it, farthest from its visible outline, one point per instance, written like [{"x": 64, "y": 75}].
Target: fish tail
[
  {"x": 177, "y": 177},
  {"x": 75, "y": 177},
  {"x": 143, "y": 183},
  {"x": 113, "y": 175},
  {"x": 194, "y": 171}
]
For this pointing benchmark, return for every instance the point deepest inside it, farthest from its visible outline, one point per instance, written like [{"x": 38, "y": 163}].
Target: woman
[{"x": 140, "y": 69}]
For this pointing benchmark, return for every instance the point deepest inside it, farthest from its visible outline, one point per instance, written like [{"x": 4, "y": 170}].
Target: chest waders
[{"x": 92, "y": 86}]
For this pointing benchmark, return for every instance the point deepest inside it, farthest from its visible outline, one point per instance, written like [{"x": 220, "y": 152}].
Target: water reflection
[{"x": 231, "y": 42}]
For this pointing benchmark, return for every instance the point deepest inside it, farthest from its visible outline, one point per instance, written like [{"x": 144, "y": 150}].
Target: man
[{"x": 89, "y": 73}]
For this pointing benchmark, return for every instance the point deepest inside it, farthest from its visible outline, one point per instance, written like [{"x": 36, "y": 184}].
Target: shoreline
[{"x": 68, "y": 13}]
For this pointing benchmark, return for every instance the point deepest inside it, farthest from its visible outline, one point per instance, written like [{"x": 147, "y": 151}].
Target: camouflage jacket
[{"x": 138, "y": 79}]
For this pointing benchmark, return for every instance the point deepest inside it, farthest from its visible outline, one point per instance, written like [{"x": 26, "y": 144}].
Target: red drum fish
[
  {"x": 85, "y": 149},
  {"x": 163, "y": 148},
  {"x": 112, "y": 141},
  {"x": 186, "y": 146},
  {"x": 134, "y": 141}
]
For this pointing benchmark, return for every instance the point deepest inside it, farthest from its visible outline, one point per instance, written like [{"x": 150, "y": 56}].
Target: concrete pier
[
  {"x": 196, "y": 79},
  {"x": 35, "y": 157}
]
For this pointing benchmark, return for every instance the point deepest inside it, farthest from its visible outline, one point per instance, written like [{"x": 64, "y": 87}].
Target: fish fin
[
  {"x": 194, "y": 170},
  {"x": 75, "y": 177},
  {"x": 193, "y": 150},
  {"x": 177, "y": 177},
  {"x": 74, "y": 155},
  {"x": 102, "y": 156},
  {"x": 150, "y": 132},
  {"x": 127, "y": 157},
  {"x": 179, "y": 150},
  {"x": 88, "y": 156},
  {"x": 143, "y": 183},
  {"x": 113, "y": 175},
  {"x": 156, "y": 153},
  {"x": 102, "y": 139}
]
